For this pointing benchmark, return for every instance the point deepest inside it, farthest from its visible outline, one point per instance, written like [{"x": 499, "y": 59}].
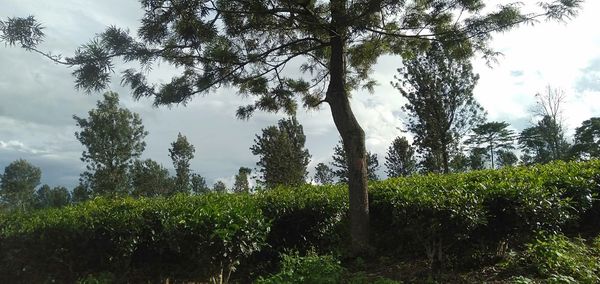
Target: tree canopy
[
  {"x": 495, "y": 137},
  {"x": 400, "y": 160},
  {"x": 18, "y": 183},
  {"x": 113, "y": 138},
  {"x": 182, "y": 152}
]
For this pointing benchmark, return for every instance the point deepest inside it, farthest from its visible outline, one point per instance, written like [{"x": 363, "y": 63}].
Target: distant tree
[
  {"x": 507, "y": 158},
  {"x": 220, "y": 187},
  {"x": 198, "y": 184},
  {"x": 182, "y": 152},
  {"x": 324, "y": 174},
  {"x": 80, "y": 194},
  {"x": 18, "y": 183},
  {"x": 282, "y": 156},
  {"x": 543, "y": 142},
  {"x": 150, "y": 179},
  {"x": 460, "y": 162},
  {"x": 241, "y": 184},
  {"x": 341, "y": 167},
  {"x": 476, "y": 159},
  {"x": 441, "y": 106},
  {"x": 494, "y": 137},
  {"x": 47, "y": 197},
  {"x": 400, "y": 160},
  {"x": 248, "y": 45},
  {"x": 586, "y": 143},
  {"x": 113, "y": 138}
]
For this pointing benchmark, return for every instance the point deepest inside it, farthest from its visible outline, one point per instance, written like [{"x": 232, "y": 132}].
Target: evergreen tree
[
  {"x": 18, "y": 183},
  {"x": 80, "y": 194},
  {"x": 220, "y": 187},
  {"x": 441, "y": 105},
  {"x": 341, "y": 166},
  {"x": 324, "y": 174},
  {"x": 47, "y": 197},
  {"x": 543, "y": 142},
  {"x": 494, "y": 137},
  {"x": 506, "y": 158},
  {"x": 150, "y": 179},
  {"x": 460, "y": 163},
  {"x": 282, "y": 156},
  {"x": 198, "y": 184},
  {"x": 113, "y": 138},
  {"x": 247, "y": 44},
  {"x": 476, "y": 159},
  {"x": 241, "y": 184},
  {"x": 182, "y": 152},
  {"x": 400, "y": 159},
  {"x": 586, "y": 143}
]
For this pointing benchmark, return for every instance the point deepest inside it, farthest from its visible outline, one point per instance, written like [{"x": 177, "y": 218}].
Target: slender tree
[
  {"x": 476, "y": 159},
  {"x": 548, "y": 109},
  {"x": 400, "y": 160},
  {"x": 494, "y": 136},
  {"x": 340, "y": 164},
  {"x": 282, "y": 156},
  {"x": 18, "y": 183},
  {"x": 587, "y": 140},
  {"x": 248, "y": 44},
  {"x": 113, "y": 138},
  {"x": 182, "y": 152},
  {"x": 324, "y": 174},
  {"x": 241, "y": 184},
  {"x": 441, "y": 105}
]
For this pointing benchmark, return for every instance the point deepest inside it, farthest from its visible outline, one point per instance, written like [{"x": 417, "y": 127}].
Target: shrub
[
  {"x": 560, "y": 260},
  {"x": 312, "y": 268},
  {"x": 134, "y": 240}
]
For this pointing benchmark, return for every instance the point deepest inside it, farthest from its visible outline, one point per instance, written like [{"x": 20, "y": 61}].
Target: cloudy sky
[{"x": 37, "y": 98}]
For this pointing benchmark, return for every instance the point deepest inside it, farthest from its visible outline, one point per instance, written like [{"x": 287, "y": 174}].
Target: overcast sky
[{"x": 38, "y": 100}]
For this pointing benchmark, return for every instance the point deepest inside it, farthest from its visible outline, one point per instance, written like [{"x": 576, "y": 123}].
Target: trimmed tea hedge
[{"x": 202, "y": 237}]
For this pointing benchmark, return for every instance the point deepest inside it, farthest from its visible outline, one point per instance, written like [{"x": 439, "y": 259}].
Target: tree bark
[{"x": 352, "y": 134}]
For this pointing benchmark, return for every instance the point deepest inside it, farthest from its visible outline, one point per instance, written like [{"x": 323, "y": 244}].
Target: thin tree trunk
[{"x": 352, "y": 134}]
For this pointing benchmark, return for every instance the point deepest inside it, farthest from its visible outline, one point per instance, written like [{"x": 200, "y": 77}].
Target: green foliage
[
  {"x": 312, "y": 268},
  {"x": 340, "y": 164},
  {"x": 543, "y": 142},
  {"x": 181, "y": 152},
  {"x": 142, "y": 240},
  {"x": 150, "y": 179},
  {"x": 282, "y": 156},
  {"x": 496, "y": 139},
  {"x": 587, "y": 140},
  {"x": 241, "y": 184},
  {"x": 52, "y": 197},
  {"x": 324, "y": 174},
  {"x": 559, "y": 259},
  {"x": 441, "y": 107},
  {"x": 17, "y": 185},
  {"x": 400, "y": 160},
  {"x": 113, "y": 138}
]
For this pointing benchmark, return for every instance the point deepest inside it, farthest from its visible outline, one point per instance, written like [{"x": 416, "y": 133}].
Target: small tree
[
  {"x": 113, "y": 138},
  {"x": 56, "y": 197},
  {"x": 507, "y": 158},
  {"x": 282, "y": 156},
  {"x": 586, "y": 143},
  {"x": 400, "y": 159},
  {"x": 543, "y": 142},
  {"x": 324, "y": 174},
  {"x": 18, "y": 183},
  {"x": 80, "y": 194},
  {"x": 198, "y": 184},
  {"x": 241, "y": 184},
  {"x": 441, "y": 106},
  {"x": 220, "y": 187},
  {"x": 476, "y": 159},
  {"x": 150, "y": 179},
  {"x": 341, "y": 166},
  {"x": 494, "y": 137},
  {"x": 182, "y": 152}
]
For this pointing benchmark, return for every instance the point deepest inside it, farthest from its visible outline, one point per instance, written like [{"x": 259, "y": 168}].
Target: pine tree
[{"x": 400, "y": 160}]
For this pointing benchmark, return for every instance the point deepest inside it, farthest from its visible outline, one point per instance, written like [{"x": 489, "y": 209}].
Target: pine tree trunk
[{"x": 352, "y": 134}]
